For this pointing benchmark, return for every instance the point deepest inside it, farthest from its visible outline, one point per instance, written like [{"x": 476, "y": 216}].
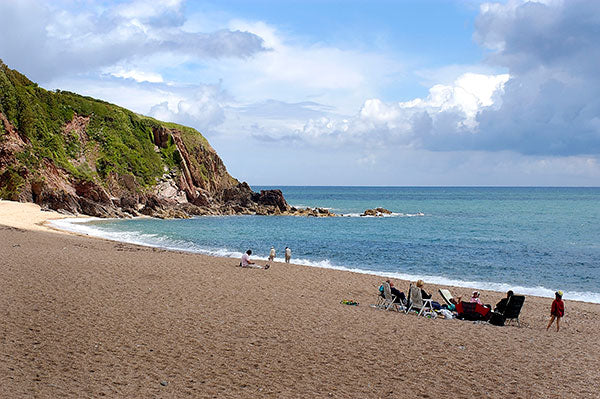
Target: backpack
[{"x": 497, "y": 319}]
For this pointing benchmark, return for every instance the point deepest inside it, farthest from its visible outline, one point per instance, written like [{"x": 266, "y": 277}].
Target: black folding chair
[{"x": 513, "y": 308}]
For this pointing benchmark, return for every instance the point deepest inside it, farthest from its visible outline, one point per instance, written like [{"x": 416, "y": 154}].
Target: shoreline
[{"x": 30, "y": 216}]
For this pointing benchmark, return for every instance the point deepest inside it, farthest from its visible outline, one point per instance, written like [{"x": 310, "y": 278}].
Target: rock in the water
[
  {"x": 272, "y": 197},
  {"x": 376, "y": 212}
]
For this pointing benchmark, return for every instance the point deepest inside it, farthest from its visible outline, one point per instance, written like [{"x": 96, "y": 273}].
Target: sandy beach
[{"x": 85, "y": 318}]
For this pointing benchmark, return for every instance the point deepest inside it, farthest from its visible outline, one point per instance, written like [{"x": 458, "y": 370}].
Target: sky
[{"x": 340, "y": 92}]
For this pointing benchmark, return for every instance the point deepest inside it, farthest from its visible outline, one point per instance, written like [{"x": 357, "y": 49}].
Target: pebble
[{"x": 164, "y": 383}]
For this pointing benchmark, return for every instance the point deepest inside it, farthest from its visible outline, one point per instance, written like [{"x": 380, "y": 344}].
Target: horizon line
[{"x": 414, "y": 186}]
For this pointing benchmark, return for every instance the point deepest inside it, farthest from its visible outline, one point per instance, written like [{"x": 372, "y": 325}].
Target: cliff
[{"x": 80, "y": 155}]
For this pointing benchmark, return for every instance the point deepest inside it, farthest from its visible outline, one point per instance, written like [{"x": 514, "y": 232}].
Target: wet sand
[{"x": 87, "y": 318}]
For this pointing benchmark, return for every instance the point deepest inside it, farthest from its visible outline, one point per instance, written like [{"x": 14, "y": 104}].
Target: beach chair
[
  {"x": 389, "y": 299},
  {"x": 472, "y": 311},
  {"x": 383, "y": 300},
  {"x": 466, "y": 311},
  {"x": 416, "y": 302},
  {"x": 446, "y": 296},
  {"x": 513, "y": 308}
]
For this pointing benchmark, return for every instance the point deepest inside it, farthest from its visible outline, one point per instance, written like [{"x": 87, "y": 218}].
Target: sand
[
  {"x": 26, "y": 215},
  {"x": 85, "y": 318}
]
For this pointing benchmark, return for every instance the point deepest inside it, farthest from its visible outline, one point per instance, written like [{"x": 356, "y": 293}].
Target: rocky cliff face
[{"x": 83, "y": 156}]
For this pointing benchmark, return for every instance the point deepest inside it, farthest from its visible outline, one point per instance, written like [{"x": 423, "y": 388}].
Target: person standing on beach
[
  {"x": 272, "y": 254},
  {"x": 557, "y": 310},
  {"x": 288, "y": 254},
  {"x": 246, "y": 262}
]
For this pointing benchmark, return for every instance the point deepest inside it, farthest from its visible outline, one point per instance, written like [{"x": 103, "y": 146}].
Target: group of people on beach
[
  {"x": 557, "y": 309},
  {"x": 246, "y": 262}
]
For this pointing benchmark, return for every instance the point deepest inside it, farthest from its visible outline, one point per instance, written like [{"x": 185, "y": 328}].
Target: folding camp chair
[
  {"x": 385, "y": 297},
  {"x": 472, "y": 311},
  {"x": 416, "y": 302},
  {"x": 389, "y": 301},
  {"x": 513, "y": 308}
]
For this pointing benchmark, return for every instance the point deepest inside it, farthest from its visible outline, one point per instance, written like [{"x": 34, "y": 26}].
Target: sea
[{"x": 533, "y": 240}]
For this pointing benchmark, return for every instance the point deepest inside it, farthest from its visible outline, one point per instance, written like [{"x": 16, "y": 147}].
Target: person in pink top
[{"x": 475, "y": 298}]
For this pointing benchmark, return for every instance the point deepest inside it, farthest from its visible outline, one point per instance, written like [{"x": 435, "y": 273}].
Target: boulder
[
  {"x": 272, "y": 198},
  {"x": 376, "y": 212},
  {"x": 129, "y": 204},
  {"x": 91, "y": 191}
]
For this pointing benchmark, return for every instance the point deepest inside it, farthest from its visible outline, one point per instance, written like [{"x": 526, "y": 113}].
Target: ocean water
[{"x": 532, "y": 240}]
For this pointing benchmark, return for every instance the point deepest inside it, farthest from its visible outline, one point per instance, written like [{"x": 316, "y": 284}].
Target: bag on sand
[
  {"x": 497, "y": 319},
  {"x": 446, "y": 313}
]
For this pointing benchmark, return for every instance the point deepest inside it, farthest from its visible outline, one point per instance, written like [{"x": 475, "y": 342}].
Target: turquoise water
[{"x": 532, "y": 240}]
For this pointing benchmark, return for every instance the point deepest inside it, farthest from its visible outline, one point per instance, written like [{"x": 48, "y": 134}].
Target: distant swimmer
[
  {"x": 272, "y": 254},
  {"x": 288, "y": 255}
]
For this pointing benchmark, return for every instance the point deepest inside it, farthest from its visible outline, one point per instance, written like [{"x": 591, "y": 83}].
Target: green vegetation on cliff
[{"x": 88, "y": 138}]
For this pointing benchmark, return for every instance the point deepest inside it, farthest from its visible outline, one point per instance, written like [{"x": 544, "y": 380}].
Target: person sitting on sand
[
  {"x": 501, "y": 306},
  {"x": 475, "y": 298},
  {"x": 557, "y": 310},
  {"x": 246, "y": 262}
]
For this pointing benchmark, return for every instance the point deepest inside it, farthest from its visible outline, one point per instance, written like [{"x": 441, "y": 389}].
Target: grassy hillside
[{"x": 116, "y": 140}]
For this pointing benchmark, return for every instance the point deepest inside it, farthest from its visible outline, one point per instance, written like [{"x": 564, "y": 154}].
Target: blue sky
[{"x": 351, "y": 92}]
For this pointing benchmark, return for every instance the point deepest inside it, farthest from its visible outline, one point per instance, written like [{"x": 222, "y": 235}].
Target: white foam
[
  {"x": 154, "y": 240},
  {"x": 298, "y": 206},
  {"x": 139, "y": 238},
  {"x": 392, "y": 215}
]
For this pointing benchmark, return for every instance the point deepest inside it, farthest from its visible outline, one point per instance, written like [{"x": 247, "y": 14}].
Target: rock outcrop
[{"x": 378, "y": 212}]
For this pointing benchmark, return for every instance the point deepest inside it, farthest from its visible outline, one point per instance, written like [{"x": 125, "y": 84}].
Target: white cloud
[
  {"x": 63, "y": 42},
  {"x": 447, "y": 110},
  {"x": 552, "y": 50},
  {"x": 138, "y": 76},
  {"x": 145, "y": 9},
  {"x": 201, "y": 108},
  {"x": 292, "y": 71}
]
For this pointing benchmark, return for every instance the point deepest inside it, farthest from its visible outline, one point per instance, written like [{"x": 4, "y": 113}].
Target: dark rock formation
[
  {"x": 272, "y": 198},
  {"x": 376, "y": 212}
]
